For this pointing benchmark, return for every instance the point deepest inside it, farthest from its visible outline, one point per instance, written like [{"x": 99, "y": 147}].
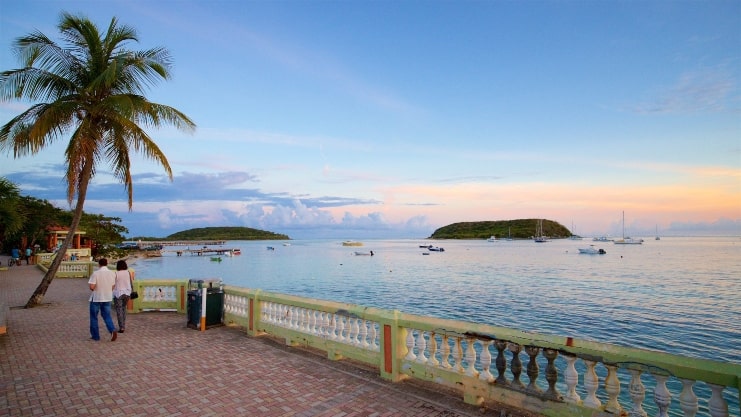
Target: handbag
[{"x": 134, "y": 295}]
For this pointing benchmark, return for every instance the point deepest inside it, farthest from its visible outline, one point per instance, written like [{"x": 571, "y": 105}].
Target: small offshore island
[
  {"x": 501, "y": 229},
  {"x": 218, "y": 233}
]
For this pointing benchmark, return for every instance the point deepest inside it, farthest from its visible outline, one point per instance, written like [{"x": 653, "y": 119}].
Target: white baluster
[
  {"x": 271, "y": 312},
  {"x": 410, "y": 346},
  {"x": 612, "y": 387},
  {"x": 373, "y": 336},
  {"x": 266, "y": 317},
  {"x": 532, "y": 369},
  {"x": 421, "y": 347},
  {"x": 433, "y": 350},
  {"x": 458, "y": 355},
  {"x": 265, "y": 312},
  {"x": 291, "y": 317},
  {"x": 364, "y": 334},
  {"x": 485, "y": 374},
  {"x": 333, "y": 326},
  {"x": 315, "y": 322},
  {"x": 571, "y": 377},
  {"x": 471, "y": 358},
  {"x": 282, "y": 315},
  {"x": 355, "y": 332},
  {"x": 298, "y": 312},
  {"x": 688, "y": 399},
  {"x": 717, "y": 405},
  {"x": 515, "y": 365},
  {"x": 591, "y": 383},
  {"x": 445, "y": 353},
  {"x": 662, "y": 396},
  {"x": 341, "y": 329},
  {"x": 637, "y": 393},
  {"x": 295, "y": 316},
  {"x": 325, "y": 324},
  {"x": 305, "y": 317}
]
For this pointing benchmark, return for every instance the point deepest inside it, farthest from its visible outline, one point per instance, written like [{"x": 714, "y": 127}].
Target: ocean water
[{"x": 678, "y": 295}]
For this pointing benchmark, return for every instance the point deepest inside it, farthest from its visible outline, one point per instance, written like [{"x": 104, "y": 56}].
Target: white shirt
[
  {"x": 123, "y": 283},
  {"x": 104, "y": 280}
]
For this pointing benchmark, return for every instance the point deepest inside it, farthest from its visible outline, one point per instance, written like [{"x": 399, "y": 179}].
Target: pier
[
  {"x": 181, "y": 243},
  {"x": 203, "y": 251}
]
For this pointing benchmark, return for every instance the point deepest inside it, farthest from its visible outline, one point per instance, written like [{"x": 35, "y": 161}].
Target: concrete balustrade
[{"x": 550, "y": 375}]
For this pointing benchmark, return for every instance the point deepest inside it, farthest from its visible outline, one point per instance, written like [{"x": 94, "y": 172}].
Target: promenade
[{"x": 159, "y": 367}]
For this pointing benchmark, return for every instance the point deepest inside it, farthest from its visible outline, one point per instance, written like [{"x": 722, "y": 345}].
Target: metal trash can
[{"x": 214, "y": 302}]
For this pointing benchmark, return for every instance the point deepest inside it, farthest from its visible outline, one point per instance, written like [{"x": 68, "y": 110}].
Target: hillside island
[
  {"x": 501, "y": 229},
  {"x": 218, "y": 233}
]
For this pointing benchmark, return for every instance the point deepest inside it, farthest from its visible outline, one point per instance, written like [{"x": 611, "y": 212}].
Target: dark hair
[
  {"x": 121, "y": 266},
  {"x": 103, "y": 262}
]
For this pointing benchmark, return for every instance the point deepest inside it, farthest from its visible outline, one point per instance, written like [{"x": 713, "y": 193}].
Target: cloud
[
  {"x": 699, "y": 91},
  {"x": 720, "y": 226}
]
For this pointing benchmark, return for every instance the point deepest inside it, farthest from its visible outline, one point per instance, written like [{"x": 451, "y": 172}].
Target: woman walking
[{"x": 122, "y": 292}]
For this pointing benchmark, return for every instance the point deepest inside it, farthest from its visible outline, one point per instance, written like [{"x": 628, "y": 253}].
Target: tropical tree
[
  {"x": 38, "y": 215},
  {"x": 11, "y": 220},
  {"x": 88, "y": 90}
]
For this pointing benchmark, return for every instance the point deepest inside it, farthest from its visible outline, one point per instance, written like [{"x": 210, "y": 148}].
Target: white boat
[
  {"x": 492, "y": 239},
  {"x": 602, "y": 239},
  {"x": 539, "y": 236},
  {"x": 364, "y": 253},
  {"x": 627, "y": 240},
  {"x": 435, "y": 249},
  {"x": 591, "y": 250}
]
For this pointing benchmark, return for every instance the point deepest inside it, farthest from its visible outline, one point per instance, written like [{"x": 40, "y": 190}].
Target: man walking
[{"x": 101, "y": 284}]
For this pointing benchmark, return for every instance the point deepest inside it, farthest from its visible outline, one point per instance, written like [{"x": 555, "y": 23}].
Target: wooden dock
[
  {"x": 204, "y": 251},
  {"x": 183, "y": 243}
]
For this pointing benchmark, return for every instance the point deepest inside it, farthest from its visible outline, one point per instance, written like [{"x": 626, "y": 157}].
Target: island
[{"x": 501, "y": 229}]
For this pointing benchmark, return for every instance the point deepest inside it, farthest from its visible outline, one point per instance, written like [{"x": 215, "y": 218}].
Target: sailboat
[
  {"x": 573, "y": 235},
  {"x": 657, "y": 232},
  {"x": 627, "y": 240},
  {"x": 539, "y": 236},
  {"x": 509, "y": 234}
]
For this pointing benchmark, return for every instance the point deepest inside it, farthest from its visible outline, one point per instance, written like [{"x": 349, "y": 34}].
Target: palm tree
[{"x": 90, "y": 90}]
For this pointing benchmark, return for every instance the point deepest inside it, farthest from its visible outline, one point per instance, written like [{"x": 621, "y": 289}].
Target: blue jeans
[{"x": 105, "y": 310}]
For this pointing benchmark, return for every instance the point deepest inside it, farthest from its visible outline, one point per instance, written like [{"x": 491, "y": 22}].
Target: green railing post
[
  {"x": 255, "y": 317},
  {"x": 393, "y": 346}
]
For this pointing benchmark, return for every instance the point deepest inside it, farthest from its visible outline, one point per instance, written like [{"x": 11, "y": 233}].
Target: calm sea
[{"x": 679, "y": 295}]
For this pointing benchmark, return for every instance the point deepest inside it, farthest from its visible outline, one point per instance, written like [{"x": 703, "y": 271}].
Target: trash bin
[{"x": 214, "y": 302}]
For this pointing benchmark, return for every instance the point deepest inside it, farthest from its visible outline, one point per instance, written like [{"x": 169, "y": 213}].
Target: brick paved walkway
[{"x": 159, "y": 367}]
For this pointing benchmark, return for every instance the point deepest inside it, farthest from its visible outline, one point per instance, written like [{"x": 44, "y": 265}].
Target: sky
[{"x": 390, "y": 119}]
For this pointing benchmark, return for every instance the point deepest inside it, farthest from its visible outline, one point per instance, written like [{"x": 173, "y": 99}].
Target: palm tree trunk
[{"x": 38, "y": 295}]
